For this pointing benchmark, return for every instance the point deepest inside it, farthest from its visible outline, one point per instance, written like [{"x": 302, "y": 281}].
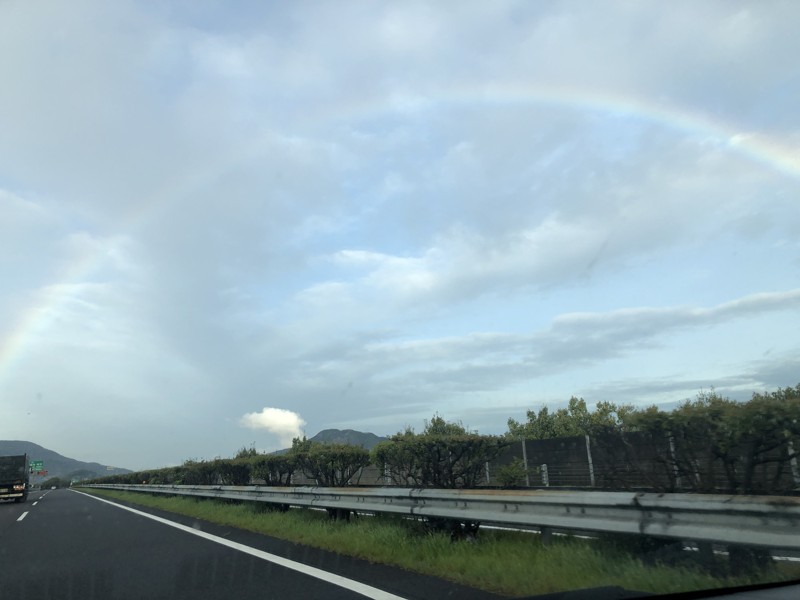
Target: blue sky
[{"x": 230, "y": 223}]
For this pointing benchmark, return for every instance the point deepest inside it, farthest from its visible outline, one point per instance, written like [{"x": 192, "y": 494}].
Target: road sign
[{"x": 37, "y": 465}]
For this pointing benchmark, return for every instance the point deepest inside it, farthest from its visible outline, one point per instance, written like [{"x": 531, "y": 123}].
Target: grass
[{"x": 504, "y": 562}]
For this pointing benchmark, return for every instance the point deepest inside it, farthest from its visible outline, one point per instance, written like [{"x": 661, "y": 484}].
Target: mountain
[
  {"x": 344, "y": 436},
  {"x": 57, "y": 465},
  {"x": 348, "y": 436}
]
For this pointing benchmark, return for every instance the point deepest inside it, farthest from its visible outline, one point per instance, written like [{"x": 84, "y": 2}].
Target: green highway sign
[{"x": 37, "y": 465}]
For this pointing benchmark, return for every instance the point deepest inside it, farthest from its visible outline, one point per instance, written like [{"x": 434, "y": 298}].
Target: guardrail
[{"x": 768, "y": 521}]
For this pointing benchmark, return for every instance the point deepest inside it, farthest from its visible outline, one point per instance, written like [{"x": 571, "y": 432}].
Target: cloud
[
  {"x": 423, "y": 373},
  {"x": 198, "y": 204},
  {"x": 648, "y": 321},
  {"x": 285, "y": 424}
]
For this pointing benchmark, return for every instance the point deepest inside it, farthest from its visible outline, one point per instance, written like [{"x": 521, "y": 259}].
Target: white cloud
[
  {"x": 284, "y": 424},
  {"x": 644, "y": 321}
]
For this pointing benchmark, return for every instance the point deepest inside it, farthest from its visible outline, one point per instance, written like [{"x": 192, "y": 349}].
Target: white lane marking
[
  {"x": 348, "y": 584},
  {"x": 22, "y": 516},
  {"x": 35, "y": 503}
]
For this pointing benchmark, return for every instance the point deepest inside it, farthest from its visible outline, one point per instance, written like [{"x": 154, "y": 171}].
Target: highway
[{"x": 66, "y": 544}]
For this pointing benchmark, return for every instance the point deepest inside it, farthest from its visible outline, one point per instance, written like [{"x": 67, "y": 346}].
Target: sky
[{"x": 225, "y": 224}]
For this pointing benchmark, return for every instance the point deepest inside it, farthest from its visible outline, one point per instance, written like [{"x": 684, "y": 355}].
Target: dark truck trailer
[{"x": 14, "y": 477}]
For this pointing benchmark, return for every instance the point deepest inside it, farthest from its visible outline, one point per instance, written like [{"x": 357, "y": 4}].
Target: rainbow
[
  {"x": 42, "y": 307},
  {"x": 773, "y": 153},
  {"x": 43, "y": 303}
]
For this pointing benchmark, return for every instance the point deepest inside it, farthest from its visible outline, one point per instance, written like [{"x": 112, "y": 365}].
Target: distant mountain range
[{"x": 57, "y": 465}]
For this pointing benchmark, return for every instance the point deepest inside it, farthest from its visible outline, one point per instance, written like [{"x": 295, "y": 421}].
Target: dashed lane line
[
  {"x": 22, "y": 516},
  {"x": 343, "y": 582}
]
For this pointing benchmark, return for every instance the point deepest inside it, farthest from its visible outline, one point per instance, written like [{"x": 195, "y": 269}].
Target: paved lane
[
  {"x": 72, "y": 546},
  {"x": 10, "y": 511}
]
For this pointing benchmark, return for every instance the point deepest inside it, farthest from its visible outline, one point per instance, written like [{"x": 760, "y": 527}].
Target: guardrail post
[
  {"x": 546, "y": 535},
  {"x": 706, "y": 551}
]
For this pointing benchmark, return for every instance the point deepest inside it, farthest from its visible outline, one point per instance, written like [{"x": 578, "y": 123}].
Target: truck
[{"x": 14, "y": 477}]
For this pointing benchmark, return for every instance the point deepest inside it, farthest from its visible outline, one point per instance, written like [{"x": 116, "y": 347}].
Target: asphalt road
[{"x": 64, "y": 544}]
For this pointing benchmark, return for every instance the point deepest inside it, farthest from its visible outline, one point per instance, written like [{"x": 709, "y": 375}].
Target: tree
[
  {"x": 720, "y": 442},
  {"x": 444, "y": 455},
  {"x": 576, "y": 419},
  {"x": 194, "y": 472},
  {"x": 245, "y": 452},
  {"x": 439, "y": 426},
  {"x": 274, "y": 469},
  {"x": 330, "y": 465},
  {"x": 235, "y": 471}
]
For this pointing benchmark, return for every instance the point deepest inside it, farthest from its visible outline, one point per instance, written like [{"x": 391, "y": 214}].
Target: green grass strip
[{"x": 504, "y": 562}]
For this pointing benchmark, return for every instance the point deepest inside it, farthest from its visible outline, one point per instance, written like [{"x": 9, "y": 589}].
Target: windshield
[{"x": 563, "y": 237}]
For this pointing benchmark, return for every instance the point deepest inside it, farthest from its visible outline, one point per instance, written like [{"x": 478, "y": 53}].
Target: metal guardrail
[{"x": 768, "y": 521}]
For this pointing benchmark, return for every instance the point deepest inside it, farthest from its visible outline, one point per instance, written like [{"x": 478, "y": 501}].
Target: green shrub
[{"x": 513, "y": 474}]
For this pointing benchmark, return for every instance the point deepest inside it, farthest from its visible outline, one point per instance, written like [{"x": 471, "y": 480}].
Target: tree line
[
  {"x": 695, "y": 442},
  {"x": 702, "y": 442},
  {"x": 444, "y": 455}
]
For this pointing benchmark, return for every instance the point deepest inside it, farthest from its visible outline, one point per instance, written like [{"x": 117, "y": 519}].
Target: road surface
[{"x": 65, "y": 544}]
